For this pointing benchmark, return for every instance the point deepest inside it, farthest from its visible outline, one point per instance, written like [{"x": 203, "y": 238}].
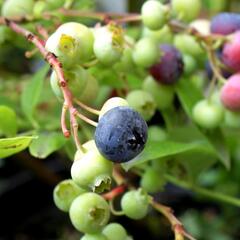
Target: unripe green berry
[
  {"x": 17, "y": 8},
  {"x": 115, "y": 231},
  {"x": 143, "y": 102},
  {"x": 90, "y": 91},
  {"x": 152, "y": 181},
  {"x": 92, "y": 171},
  {"x": 161, "y": 36},
  {"x": 154, "y": 14},
  {"x": 98, "y": 236},
  {"x": 64, "y": 194},
  {"x": 126, "y": 64},
  {"x": 207, "y": 114},
  {"x": 53, "y": 4},
  {"x": 188, "y": 44},
  {"x": 77, "y": 79},
  {"x": 89, "y": 213},
  {"x": 72, "y": 43},
  {"x": 186, "y": 10},
  {"x": 112, "y": 103},
  {"x": 190, "y": 64},
  {"x": 135, "y": 204},
  {"x": 109, "y": 44},
  {"x": 87, "y": 146},
  {"x": 146, "y": 52},
  {"x": 156, "y": 133},
  {"x": 163, "y": 95},
  {"x": 39, "y": 8}
]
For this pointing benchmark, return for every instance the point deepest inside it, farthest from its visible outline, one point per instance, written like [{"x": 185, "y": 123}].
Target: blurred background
[{"x": 26, "y": 183}]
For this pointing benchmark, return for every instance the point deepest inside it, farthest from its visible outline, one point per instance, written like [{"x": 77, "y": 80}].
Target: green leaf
[
  {"x": 32, "y": 92},
  {"x": 46, "y": 143},
  {"x": 8, "y": 121},
  {"x": 219, "y": 144},
  {"x": 188, "y": 95},
  {"x": 10, "y": 146},
  {"x": 159, "y": 149}
]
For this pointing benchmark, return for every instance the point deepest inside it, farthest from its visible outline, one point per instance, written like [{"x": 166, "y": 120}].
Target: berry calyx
[
  {"x": 89, "y": 213},
  {"x": 121, "y": 134},
  {"x": 109, "y": 44},
  {"x": 72, "y": 43}
]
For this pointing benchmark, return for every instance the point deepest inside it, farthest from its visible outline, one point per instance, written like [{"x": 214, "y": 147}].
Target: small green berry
[
  {"x": 207, "y": 114},
  {"x": 156, "y": 133},
  {"x": 135, "y": 204},
  {"x": 143, "y": 102},
  {"x": 232, "y": 119},
  {"x": 154, "y": 14},
  {"x": 92, "y": 171},
  {"x": 17, "y": 8},
  {"x": 112, "y": 103},
  {"x": 152, "y": 181},
  {"x": 146, "y": 52},
  {"x": 163, "y": 95},
  {"x": 89, "y": 213},
  {"x": 115, "y": 231},
  {"x": 64, "y": 194}
]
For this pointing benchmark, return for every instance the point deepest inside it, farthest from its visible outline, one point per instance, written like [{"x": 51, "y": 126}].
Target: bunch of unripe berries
[{"x": 163, "y": 60}]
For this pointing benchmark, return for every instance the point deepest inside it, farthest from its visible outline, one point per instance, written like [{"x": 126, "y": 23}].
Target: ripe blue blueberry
[{"x": 121, "y": 134}]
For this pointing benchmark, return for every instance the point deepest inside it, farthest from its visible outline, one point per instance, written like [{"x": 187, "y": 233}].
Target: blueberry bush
[{"x": 135, "y": 102}]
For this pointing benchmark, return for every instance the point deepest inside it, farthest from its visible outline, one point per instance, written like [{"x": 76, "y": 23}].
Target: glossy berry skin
[
  {"x": 115, "y": 231},
  {"x": 225, "y": 23},
  {"x": 135, "y": 204},
  {"x": 230, "y": 93},
  {"x": 170, "y": 67},
  {"x": 231, "y": 53},
  {"x": 89, "y": 213},
  {"x": 121, "y": 134}
]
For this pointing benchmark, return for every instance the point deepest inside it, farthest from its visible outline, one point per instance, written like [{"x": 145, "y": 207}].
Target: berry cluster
[{"x": 143, "y": 76}]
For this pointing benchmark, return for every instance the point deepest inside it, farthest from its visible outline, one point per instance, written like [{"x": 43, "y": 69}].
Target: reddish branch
[
  {"x": 114, "y": 192},
  {"x": 57, "y": 66}
]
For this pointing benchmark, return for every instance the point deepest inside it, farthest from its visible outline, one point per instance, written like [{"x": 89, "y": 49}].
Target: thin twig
[
  {"x": 84, "y": 106},
  {"x": 177, "y": 226}
]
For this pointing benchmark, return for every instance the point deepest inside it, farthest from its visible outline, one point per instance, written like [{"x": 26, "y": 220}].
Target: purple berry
[
  {"x": 225, "y": 23},
  {"x": 170, "y": 67}
]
